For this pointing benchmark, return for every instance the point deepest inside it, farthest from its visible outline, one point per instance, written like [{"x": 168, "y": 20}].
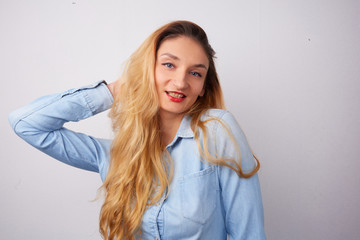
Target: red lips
[{"x": 175, "y": 98}]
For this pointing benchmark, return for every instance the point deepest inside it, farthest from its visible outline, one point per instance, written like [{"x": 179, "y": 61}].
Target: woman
[{"x": 179, "y": 166}]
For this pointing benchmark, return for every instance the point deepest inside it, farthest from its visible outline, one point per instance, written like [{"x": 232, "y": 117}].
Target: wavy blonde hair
[{"x": 138, "y": 173}]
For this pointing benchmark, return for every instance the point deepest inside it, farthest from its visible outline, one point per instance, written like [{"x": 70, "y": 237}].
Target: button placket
[{"x": 158, "y": 210}]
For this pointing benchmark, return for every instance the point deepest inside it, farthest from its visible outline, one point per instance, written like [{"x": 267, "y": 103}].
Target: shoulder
[
  {"x": 227, "y": 137},
  {"x": 222, "y": 127},
  {"x": 214, "y": 112},
  {"x": 216, "y": 118}
]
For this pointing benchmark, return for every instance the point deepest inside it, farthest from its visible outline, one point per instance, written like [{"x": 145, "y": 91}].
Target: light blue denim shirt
[{"x": 205, "y": 201}]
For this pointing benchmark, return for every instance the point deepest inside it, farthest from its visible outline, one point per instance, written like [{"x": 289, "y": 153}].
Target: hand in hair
[{"x": 114, "y": 87}]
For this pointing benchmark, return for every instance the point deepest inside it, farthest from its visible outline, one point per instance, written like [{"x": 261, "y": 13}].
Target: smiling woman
[
  {"x": 179, "y": 166},
  {"x": 180, "y": 73}
]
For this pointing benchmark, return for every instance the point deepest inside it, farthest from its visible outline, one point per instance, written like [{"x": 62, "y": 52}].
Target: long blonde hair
[{"x": 138, "y": 173}]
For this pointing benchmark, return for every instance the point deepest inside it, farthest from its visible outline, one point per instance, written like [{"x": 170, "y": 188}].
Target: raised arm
[{"x": 40, "y": 123}]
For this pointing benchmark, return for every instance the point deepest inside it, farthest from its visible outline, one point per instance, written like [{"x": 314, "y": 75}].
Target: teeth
[{"x": 176, "y": 95}]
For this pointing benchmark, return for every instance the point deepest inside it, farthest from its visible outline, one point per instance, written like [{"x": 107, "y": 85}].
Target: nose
[{"x": 180, "y": 80}]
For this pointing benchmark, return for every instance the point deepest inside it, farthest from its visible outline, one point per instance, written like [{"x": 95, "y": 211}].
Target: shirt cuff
[{"x": 98, "y": 97}]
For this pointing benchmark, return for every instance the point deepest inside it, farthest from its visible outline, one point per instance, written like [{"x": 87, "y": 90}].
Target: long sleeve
[
  {"x": 241, "y": 197},
  {"x": 40, "y": 123}
]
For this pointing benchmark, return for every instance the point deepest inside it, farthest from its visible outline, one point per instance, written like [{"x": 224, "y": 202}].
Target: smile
[{"x": 175, "y": 96}]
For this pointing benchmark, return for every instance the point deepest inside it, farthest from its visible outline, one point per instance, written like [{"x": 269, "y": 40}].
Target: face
[{"x": 180, "y": 72}]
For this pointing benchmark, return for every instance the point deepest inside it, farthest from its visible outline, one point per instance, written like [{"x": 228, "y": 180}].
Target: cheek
[
  {"x": 156, "y": 76},
  {"x": 200, "y": 88},
  {"x": 159, "y": 77}
]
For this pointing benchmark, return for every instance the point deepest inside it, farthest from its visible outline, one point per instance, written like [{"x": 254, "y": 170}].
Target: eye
[
  {"x": 195, "y": 74},
  {"x": 168, "y": 65}
]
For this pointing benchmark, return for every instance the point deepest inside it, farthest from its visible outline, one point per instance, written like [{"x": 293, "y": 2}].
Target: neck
[{"x": 169, "y": 124}]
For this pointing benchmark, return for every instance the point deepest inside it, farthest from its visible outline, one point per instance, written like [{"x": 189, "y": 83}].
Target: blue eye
[
  {"x": 196, "y": 74},
  {"x": 168, "y": 65}
]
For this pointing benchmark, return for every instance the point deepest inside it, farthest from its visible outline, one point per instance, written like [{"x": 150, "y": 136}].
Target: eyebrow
[{"x": 200, "y": 65}]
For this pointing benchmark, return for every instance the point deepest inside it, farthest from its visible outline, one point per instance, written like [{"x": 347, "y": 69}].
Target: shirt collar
[{"x": 184, "y": 130}]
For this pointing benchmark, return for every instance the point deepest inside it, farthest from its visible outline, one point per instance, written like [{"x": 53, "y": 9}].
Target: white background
[{"x": 290, "y": 73}]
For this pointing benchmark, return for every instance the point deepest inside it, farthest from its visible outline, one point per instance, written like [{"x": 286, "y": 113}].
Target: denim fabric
[{"x": 205, "y": 201}]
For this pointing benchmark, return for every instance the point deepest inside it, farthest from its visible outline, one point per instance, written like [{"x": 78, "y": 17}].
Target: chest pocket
[{"x": 198, "y": 195}]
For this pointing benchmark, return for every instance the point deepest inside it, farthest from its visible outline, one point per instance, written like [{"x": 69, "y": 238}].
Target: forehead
[{"x": 184, "y": 48}]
